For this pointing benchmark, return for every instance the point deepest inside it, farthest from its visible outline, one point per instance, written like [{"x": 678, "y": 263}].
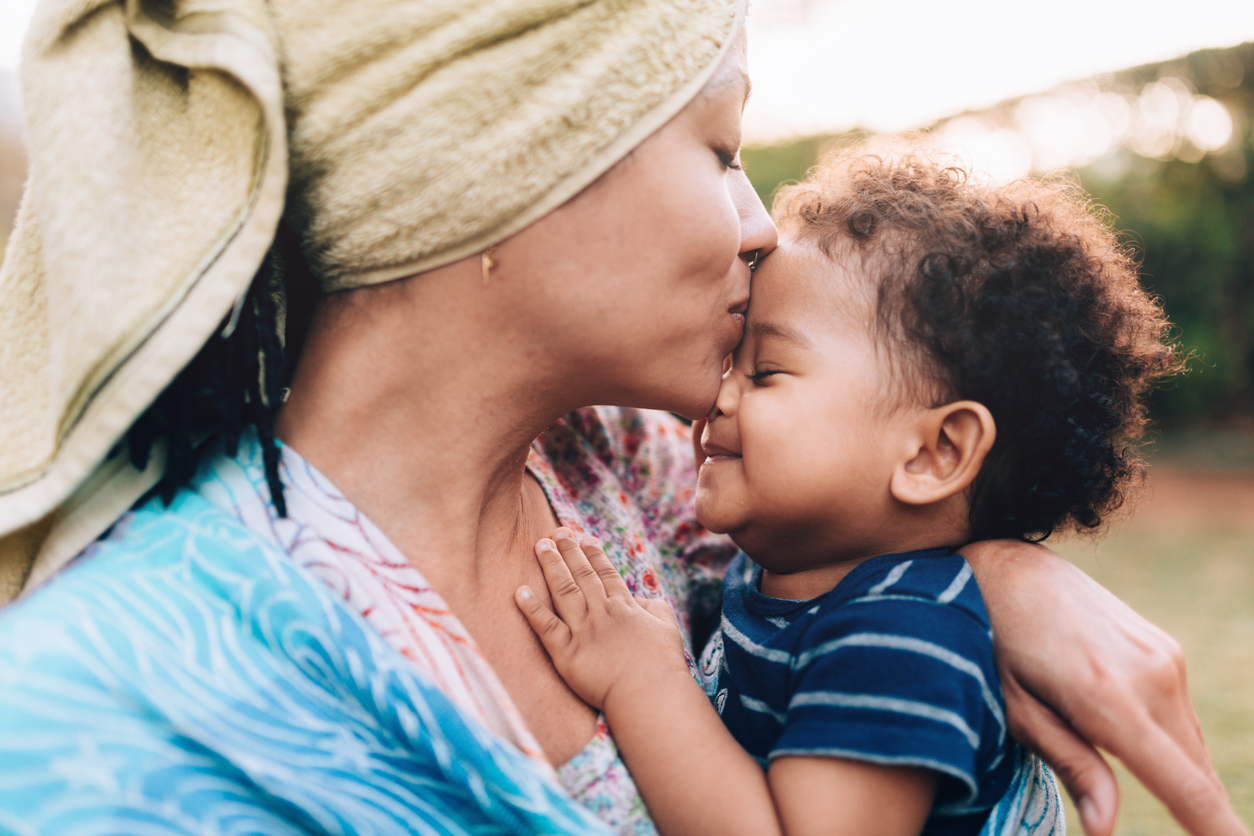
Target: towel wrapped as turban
[{"x": 168, "y": 137}]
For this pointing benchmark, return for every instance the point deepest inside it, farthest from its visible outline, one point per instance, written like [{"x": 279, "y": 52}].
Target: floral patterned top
[{"x": 623, "y": 475}]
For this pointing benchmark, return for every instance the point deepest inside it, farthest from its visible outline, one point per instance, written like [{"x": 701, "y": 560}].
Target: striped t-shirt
[{"x": 893, "y": 666}]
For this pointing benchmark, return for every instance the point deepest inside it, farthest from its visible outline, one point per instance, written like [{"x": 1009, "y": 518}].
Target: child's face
[{"x": 802, "y": 444}]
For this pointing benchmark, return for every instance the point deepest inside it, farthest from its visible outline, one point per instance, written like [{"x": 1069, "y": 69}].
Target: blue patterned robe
[{"x": 186, "y": 677}]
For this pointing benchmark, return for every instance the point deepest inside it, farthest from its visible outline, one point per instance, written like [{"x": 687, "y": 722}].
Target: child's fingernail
[
  {"x": 544, "y": 546},
  {"x": 564, "y": 534},
  {"x": 589, "y": 541},
  {"x": 524, "y": 594}
]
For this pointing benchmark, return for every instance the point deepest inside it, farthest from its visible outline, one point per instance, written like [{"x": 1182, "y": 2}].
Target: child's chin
[{"x": 708, "y": 513}]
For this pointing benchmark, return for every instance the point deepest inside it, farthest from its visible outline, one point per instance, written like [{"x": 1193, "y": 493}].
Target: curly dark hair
[{"x": 1021, "y": 297}]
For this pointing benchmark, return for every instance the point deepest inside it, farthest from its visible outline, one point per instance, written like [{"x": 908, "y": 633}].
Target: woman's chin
[
  {"x": 699, "y": 401},
  {"x": 688, "y": 390}
]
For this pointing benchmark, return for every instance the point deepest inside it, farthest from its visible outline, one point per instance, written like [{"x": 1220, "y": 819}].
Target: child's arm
[{"x": 625, "y": 656}]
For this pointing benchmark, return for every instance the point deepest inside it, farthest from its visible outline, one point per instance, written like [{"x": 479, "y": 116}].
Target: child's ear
[{"x": 947, "y": 448}]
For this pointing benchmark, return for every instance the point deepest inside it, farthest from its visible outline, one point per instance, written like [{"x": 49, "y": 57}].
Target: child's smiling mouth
[{"x": 715, "y": 453}]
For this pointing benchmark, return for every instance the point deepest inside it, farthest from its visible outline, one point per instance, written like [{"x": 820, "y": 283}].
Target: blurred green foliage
[
  {"x": 1194, "y": 230},
  {"x": 1192, "y": 225}
]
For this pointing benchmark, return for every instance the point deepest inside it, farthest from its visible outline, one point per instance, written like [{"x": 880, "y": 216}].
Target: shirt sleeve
[{"x": 907, "y": 682}]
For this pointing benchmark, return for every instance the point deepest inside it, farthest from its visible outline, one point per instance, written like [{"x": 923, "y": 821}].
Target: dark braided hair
[
  {"x": 237, "y": 379},
  {"x": 1020, "y": 297}
]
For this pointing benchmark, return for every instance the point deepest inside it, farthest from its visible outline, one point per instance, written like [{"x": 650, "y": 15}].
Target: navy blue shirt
[{"x": 893, "y": 666}]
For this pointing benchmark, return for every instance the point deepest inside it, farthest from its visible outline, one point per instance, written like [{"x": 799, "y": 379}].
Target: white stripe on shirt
[
  {"x": 955, "y": 588},
  {"x": 893, "y": 704},
  {"x": 912, "y": 645},
  {"x": 892, "y": 578},
  {"x": 751, "y": 647}
]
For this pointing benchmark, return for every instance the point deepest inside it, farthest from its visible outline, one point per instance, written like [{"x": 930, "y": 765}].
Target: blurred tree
[{"x": 1195, "y": 232}]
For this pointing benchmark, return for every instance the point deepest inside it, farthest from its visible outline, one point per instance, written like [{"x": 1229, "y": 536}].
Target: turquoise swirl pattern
[
  {"x": 1031, "y": 805},
  {"x": 185, "y": 677}
]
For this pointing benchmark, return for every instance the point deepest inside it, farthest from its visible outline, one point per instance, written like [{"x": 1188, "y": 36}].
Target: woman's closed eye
[{"x": 729, "y": 159}]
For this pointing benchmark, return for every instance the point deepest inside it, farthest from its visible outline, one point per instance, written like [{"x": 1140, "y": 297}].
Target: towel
[{"x": 168, "y": 138}]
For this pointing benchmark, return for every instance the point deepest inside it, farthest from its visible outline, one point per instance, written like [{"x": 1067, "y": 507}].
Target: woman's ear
[{"x": 946, "y": 450}]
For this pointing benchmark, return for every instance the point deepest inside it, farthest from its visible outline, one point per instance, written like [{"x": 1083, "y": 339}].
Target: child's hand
[{"x": 602, "y": 640}]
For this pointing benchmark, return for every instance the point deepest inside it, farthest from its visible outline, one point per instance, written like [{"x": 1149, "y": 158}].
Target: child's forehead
[{"x": 799, "y": 280}]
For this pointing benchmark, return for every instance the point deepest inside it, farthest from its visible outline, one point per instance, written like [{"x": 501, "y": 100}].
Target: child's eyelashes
[
  {"x": 728, "y": 159},
  {"x": 763, "y": 374}
]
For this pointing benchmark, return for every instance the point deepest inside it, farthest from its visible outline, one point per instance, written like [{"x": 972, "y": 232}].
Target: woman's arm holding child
[{"x": 625, "y": 656}]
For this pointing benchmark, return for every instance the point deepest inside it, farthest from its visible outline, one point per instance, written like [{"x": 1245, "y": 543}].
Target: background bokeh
[{"x": 1150, "y": 107}]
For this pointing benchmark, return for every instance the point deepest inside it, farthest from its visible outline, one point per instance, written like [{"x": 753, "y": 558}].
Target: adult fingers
[
  {"x": 1079, "y": 766},
  {"x": 568, "y": 598},
  {"x": 552, "y": 631},
  {"x": 577, "y": 562},
  {"x": 611, "y": 581},
  {"x": 1157, "y": 735},
  {"x": 1136, "y": 706},
  {"x": 1111, "y": 676},
  {"x": 1188, "y": 787}
]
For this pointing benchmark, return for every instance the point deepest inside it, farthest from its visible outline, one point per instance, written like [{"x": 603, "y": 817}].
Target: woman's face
[{"x": 642, "y": 279}]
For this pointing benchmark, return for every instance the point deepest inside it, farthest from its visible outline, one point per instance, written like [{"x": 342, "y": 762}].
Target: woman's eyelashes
[{"x": 729, "y": 159}]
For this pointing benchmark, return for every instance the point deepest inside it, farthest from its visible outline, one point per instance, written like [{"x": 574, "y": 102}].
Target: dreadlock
[{"x": 237, "y": 379}]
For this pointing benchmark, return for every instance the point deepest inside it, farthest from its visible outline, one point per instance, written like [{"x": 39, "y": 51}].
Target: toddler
[{"x": 928, "y": 361}]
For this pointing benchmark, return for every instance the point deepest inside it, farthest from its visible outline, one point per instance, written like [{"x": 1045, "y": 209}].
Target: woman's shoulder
[{"x": 151, "y": 553}]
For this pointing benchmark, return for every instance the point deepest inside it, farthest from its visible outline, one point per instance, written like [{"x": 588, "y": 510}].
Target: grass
[{"x": 1185, "y": 560}]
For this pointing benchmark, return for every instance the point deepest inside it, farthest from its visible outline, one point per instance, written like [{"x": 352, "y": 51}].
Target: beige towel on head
[{"x": 420, "y": 132}]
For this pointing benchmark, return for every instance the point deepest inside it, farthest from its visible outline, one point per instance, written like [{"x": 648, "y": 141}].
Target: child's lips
[{"x": 716, "y": 453}]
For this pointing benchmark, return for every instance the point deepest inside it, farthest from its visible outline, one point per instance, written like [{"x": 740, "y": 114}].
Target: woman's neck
[{"x": 419, "y": 399}]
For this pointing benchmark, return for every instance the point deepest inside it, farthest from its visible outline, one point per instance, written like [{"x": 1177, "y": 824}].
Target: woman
[{"x": 516, "y": 211}]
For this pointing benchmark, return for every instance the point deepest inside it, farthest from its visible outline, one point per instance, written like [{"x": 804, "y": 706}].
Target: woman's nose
[{"x": 757, "y": 233}]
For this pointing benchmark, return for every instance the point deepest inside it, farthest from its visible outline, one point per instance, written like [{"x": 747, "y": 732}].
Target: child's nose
[{"x": 728, "y": 395}]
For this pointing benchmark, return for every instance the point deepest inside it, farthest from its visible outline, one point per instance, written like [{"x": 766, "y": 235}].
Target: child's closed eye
[{"x": 761, "y": 375}]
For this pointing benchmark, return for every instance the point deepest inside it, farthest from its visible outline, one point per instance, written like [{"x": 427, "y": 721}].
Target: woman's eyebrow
[{"x": 761, "y": 330}]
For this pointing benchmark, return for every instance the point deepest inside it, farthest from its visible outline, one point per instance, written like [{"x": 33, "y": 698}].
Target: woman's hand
[
  {"x": 602, "y": 640},
  {"x": 1081, "y": 670}
]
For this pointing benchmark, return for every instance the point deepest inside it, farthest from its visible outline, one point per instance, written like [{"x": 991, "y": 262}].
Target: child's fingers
[
  {"x": 568, "y": 599},
  {"x": 577, "y": 562},
  {"x": 615, "y": 586},
  {"x": 552, "y": 631},
  {"x": 659, "y": 608}
]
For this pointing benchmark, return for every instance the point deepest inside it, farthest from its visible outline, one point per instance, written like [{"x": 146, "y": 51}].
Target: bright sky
[
  {"x": 889, "y": 65},
  {"x": 824, "y": 65}
]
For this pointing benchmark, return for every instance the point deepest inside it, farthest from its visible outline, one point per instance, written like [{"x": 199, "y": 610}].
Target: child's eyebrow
[{"x": 771, "y": 329}]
